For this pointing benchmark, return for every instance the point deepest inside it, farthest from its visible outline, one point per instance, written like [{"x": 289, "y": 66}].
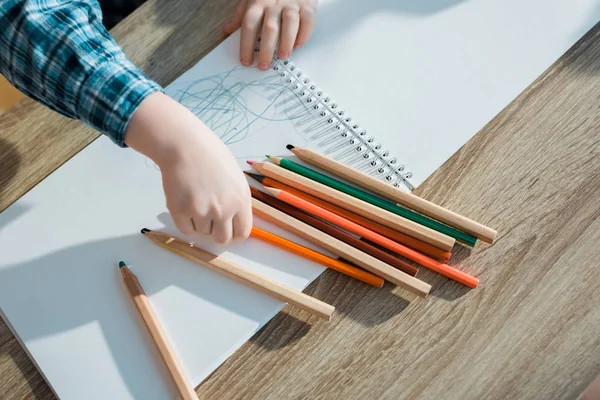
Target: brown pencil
[
  {"x": 357, "y": 206},
  {"x": 390, "y": 192},
  {"x": 184, "y": 387},
  {"x": 341, "y": 249},
  {"x": 335, "y": 232},
  {"x": 239, "y": 274}
]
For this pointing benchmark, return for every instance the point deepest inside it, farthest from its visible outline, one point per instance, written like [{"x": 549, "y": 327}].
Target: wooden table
[{"x": 531, "y": 330}]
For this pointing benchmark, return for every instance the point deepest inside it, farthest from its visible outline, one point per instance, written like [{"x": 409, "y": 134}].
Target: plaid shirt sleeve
[{"x": 59, "y": 53}]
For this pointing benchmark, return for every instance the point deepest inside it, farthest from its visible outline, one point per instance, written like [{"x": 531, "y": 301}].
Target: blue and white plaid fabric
[{"x": 59, "y": 53}]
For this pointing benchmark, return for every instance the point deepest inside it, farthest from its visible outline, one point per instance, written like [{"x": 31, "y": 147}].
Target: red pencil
[{"x": 374, "y": 237}]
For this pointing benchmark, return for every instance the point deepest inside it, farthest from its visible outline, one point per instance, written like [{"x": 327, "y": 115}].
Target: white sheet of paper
[{"x": 422, "y": 77}]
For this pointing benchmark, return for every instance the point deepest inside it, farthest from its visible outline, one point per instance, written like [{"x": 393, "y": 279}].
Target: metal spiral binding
[{"x": 350, "y": 144}]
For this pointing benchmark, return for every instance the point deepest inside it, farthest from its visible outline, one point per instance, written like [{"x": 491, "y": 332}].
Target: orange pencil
[
  {"x": 317, "y": 257},
  {"x": 409, "y": 241},
  {"x": 374, "y": 237}
]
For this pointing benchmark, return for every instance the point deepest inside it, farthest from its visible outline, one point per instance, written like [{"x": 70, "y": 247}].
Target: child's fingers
[
  {"x": 290, "y": 22},
  {"x": 307, "y": 25},
  {"x": 250, "y": 27},
  {"x": 238, "y": 16},
  {"x": 202, "y": 224},
  {"x": 268, "y": 38},
  {"x": 242, "y": 224},
  {"x": 183, "y": 222},
  {"x": 222, "y": 230}
]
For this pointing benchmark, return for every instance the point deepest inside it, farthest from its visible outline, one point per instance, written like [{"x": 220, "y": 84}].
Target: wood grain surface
[
  {"x": 8, "y": 95},
  {"x": 530, "y": 331}
]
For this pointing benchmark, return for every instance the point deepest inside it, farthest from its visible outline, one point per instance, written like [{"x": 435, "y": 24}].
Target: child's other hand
[
  {"x": 291, "y": 22},
  {"x": 205, "y": 189}
]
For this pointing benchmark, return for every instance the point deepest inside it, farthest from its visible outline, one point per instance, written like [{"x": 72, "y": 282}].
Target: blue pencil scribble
[{"x": 220, "y": 101}]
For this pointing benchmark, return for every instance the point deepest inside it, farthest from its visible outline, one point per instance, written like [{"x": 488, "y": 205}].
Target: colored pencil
[
  {"x": 340, "y": 248},
  {"x": 374, "y": 200},
  {"x": 184, "y": 387},
  {"x": 239, "y": 274},
  {"x": 390, "y": 192},
  {"x": 358, "y": 206},
  {"x": 335, "y": 232},
  {"x": 409, "y": 241},
  {"x": 317, "y": 257},
  {"x": 383, "y": 241}
]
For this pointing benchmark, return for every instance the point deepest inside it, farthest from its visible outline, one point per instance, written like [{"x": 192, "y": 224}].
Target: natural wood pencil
[
  {"x": 358, "y": 206},
  {"x": 341, "y": 249},
  {"x": 184, "y": 387},
  {"x": 335, "y": 232},
  {"x": 381, "y": 240},
  {"x": 239, "y": 274},
  {"x": 390, "y": 192},
  {"x": 317, "y": 257},
  {"x": 399, "y": 237}
]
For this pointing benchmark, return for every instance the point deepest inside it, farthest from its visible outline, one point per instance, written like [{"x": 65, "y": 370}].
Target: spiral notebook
[
  {"x": 393, "y": 88},
  {"x": 256, "y": 112}
]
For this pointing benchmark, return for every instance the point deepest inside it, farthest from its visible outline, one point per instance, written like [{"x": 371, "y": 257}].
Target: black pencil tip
[
  {"x": 290, "y": 147},
  {"x": 145, "y": 230},
  {"x": 121, "y": 264},
  {"x": 257, "y": 177}
]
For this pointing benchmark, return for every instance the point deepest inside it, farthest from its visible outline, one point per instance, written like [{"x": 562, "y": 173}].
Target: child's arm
[
  {"x": 205, "y": 188},
  {"x": 59, "y": 53},
  {"x": 287, "y": 22}
]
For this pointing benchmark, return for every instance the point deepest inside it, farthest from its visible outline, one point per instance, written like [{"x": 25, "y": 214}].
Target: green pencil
[{"x": 374, "y": 200}]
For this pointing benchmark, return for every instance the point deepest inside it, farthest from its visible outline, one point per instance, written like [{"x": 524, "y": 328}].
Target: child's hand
[
  {"x": 205, "y": 188},
  {"x": 291, "y": 22}
]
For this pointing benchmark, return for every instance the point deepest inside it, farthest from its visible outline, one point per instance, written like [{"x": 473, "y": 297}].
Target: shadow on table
[
  {"x": 350, "y": 298},
  {"x": 192, "y": 34}
]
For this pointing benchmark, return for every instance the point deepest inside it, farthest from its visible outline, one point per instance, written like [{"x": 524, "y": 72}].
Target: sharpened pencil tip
[
  {"x": 122, "y": 264},
  {"x": 272, "y": 191},
  {"x": 249, "y": 162},
  {"x": 145, "y": 230},
  {"x": 290, "y": 147},
  {"x": 268, "y": 156},
  {"x": 256, "y": 177}
]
